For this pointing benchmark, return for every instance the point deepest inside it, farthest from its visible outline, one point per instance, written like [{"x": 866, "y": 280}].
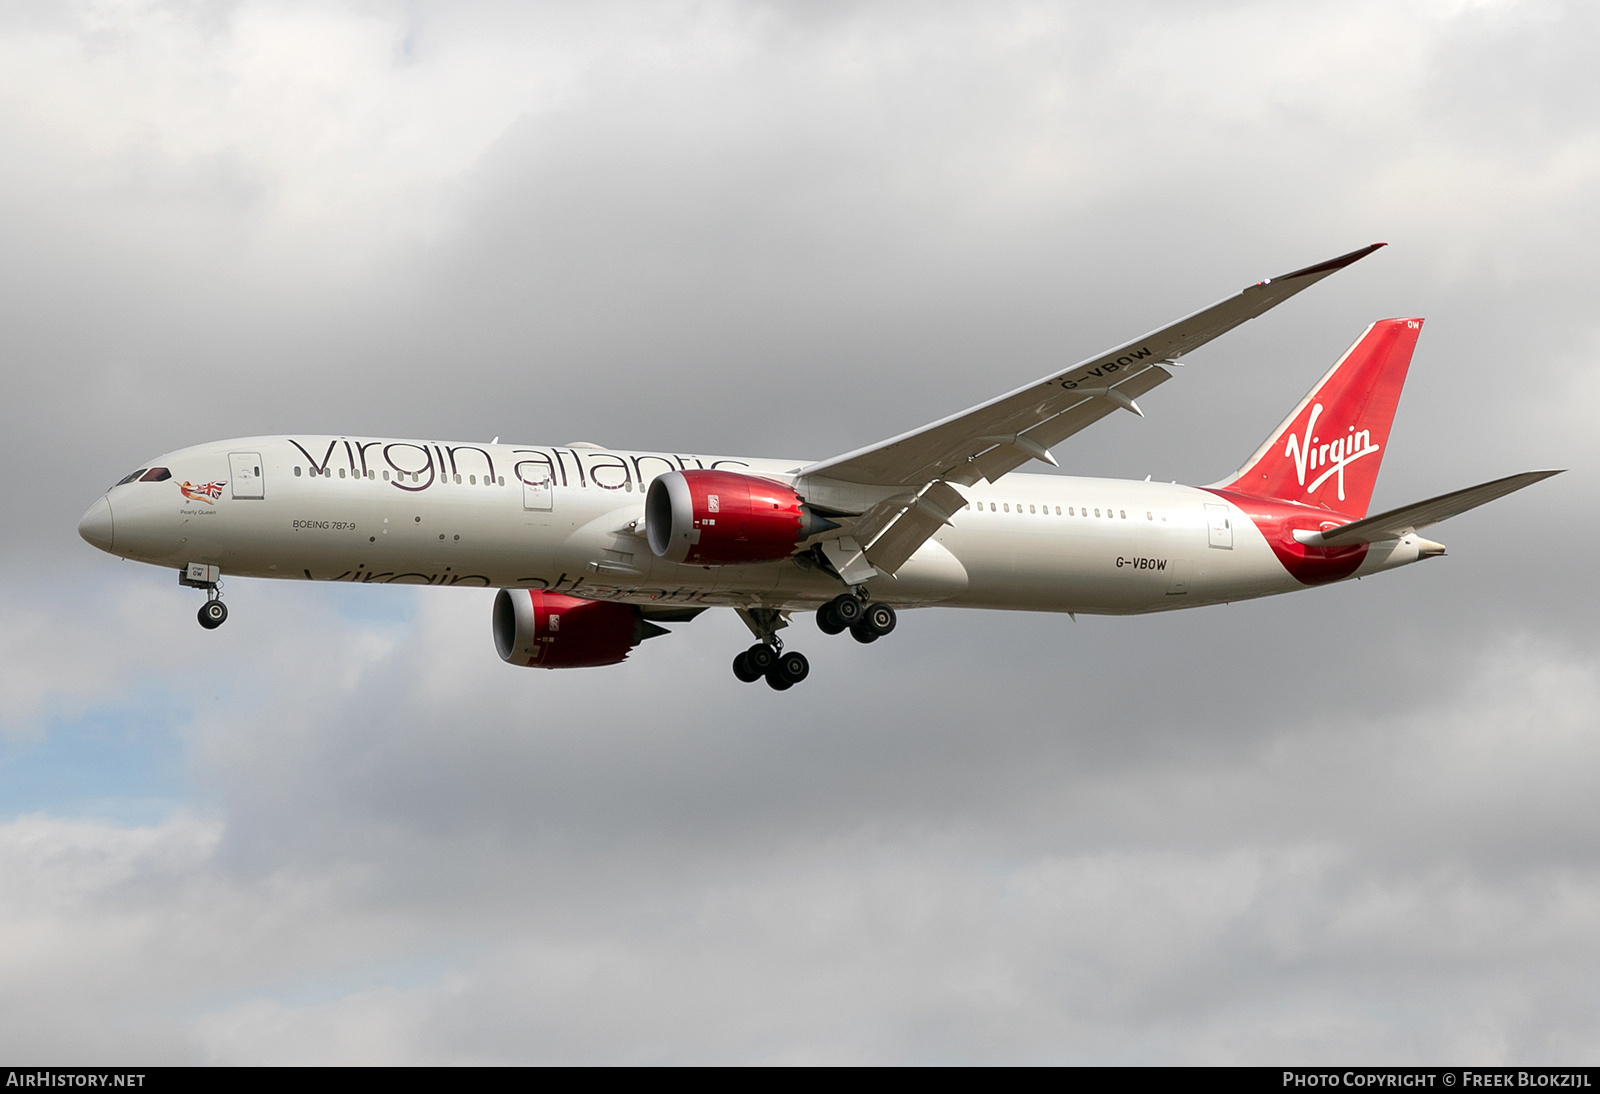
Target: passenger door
[
  {"x": 1219, "y": 527},
  {"x": 245, "y": 469},
  {"x": 537, "y": 496}
]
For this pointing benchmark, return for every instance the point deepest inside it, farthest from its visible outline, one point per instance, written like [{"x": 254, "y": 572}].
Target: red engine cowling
[
  {"x": 550, "y": 631},
  {"x": 713, "y": 518}
]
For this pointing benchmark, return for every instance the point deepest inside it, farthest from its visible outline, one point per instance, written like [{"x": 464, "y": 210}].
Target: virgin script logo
[{"x": 1310, "y": 452}]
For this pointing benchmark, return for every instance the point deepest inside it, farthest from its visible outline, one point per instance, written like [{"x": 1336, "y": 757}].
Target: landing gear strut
[{"x": 197, "y": 575}]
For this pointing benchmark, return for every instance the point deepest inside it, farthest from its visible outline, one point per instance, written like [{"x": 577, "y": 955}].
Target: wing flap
[
  {"x": 1411, "y": 518},
  {"x": 926, "y": 514}
]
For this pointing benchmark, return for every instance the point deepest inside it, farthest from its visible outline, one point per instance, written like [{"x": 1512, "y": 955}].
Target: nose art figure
[{"x": 96, "y": 525}]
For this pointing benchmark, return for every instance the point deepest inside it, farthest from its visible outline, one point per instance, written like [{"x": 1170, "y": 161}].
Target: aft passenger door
[{"x": 1219, "y": 527}]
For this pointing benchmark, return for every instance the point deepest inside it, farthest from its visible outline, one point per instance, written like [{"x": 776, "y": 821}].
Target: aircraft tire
[
  {"x": 793, "y": 667},
  {"x": 741, "y": 669},
  {"x": 777, "y": 681},
  {"x": 863, "y": 633},
  {"x": 828, "y": 621},
  {"x": 213, "y": 613},
  {"x": 760, "y": 658},
  {"x": 847, "y": 608},
  {"x": 880, "y": 618}
]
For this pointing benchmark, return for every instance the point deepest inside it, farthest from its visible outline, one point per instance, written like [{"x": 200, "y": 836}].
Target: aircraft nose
[{"x": 95, "y": 526}]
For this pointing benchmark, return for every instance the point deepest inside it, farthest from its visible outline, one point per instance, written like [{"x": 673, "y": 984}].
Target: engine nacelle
[
  {"x": 713, "y": 518},
  {"x": 550, "y": 631}
]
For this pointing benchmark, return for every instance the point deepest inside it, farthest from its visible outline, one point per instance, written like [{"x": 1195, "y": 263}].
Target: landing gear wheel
[
  {"x": 760, "y": 658},
  {"x": 863, "y": 633},
  {"x": 741, "y": 669},
  {"x": 776, "y": 681},
  {"x": 846, "y": 608},
  {"x": 212, "y": 614},
  {"x": 828, "y": 621},
  {"x": 793, "y": 667},
  {"x": 880, "y": 619}
]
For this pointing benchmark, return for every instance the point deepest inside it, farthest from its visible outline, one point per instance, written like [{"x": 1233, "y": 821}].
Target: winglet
[{"x": 1329, "y": 266}]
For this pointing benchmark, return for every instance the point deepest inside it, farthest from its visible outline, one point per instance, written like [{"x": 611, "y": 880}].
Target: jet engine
[
  {"x": 550, "y": 631},
  {"x": 712, "y": 518}
]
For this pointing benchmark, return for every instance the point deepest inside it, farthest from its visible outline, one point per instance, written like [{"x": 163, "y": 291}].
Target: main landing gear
[
  {"x": 782, "y": 671},
  {"x": 766, "y": 660},
  {"x": 213, "y": 613},
  {"x": 848, "y": 612}
]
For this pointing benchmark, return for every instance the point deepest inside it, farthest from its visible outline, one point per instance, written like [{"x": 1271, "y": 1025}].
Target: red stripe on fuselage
[{"x": 1279, "y": 520}]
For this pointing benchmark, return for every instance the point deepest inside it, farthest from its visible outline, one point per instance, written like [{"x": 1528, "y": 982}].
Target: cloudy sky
[{"x": 1356, "y": 824}]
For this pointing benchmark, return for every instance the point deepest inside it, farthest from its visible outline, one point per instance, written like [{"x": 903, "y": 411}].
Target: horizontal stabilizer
[{"x": 1410, "y": 518}]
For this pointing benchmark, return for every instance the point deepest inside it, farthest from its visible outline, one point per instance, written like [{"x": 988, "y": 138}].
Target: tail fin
[{"x": 1327, "y": 452}]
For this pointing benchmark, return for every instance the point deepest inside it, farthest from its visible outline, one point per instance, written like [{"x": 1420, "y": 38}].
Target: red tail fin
[{"x": 1327, "y": 452}]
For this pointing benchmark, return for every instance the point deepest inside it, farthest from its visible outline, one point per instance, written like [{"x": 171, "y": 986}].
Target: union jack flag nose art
[{"x": 209, "y": 493}]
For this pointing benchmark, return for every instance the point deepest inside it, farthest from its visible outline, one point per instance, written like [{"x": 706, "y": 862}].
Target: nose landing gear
[{"x": 197, "y": 575}]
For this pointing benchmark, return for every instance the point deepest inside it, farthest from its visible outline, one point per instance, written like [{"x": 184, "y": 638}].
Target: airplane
[{"x": 592, "y": 550}]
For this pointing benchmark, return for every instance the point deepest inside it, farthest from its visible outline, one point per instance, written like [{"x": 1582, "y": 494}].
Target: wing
[
  {"x": 893, "y": 495},
  {"x": 1412, "y": 518},
  {"x": 994, "y": 437}
]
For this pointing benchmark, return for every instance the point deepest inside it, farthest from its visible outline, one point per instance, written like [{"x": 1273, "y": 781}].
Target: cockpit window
[
  {"x": 156, "y": 474},
  {"x": 125, "y": 480}
]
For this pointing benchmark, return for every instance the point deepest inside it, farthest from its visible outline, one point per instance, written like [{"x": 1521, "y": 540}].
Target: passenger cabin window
[{"x": 297, "y": 471}]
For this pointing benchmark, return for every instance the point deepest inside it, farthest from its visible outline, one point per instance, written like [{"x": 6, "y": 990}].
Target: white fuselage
[{"x": 481, "y": 515}]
